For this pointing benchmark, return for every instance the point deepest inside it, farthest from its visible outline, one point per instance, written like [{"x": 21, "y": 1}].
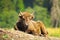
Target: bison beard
[{"x": 20, "y": 25}]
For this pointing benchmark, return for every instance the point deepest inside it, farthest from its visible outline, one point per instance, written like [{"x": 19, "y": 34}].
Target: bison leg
[
  {"x": 42, "y": 28},
  {"x": 15, "y": 27}
]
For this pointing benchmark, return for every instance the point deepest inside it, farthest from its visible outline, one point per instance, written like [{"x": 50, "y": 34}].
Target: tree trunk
[{"x": 55, "y": 13}]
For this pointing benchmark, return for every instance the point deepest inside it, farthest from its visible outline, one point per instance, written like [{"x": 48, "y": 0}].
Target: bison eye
[{"x": 20, "y": 16}]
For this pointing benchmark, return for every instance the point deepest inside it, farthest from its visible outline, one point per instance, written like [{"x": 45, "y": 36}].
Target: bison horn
[
  {"x": 20, "y": 13},
  {"x": 32, "y": 13}
]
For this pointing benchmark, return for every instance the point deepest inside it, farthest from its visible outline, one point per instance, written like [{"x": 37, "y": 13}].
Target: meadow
[{"x": 54, "y": 32}]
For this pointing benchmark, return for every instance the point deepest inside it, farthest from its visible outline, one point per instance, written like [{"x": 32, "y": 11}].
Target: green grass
[{"x": 54, "y": 32}]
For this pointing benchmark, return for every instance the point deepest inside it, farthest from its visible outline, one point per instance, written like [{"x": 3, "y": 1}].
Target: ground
[{"x": 18, "y": 35}]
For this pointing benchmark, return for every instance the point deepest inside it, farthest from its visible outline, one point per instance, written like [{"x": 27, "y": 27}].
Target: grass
[{"x": 54, "y": 32}]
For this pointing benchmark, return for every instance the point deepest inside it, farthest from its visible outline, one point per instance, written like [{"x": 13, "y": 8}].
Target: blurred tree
[
  {"x": 28, "y": 3},
  {"x": 19, "y": 5},
  {"x": 8, "y": 15},
  {"x": 39, "y": 2},
  {"x": 41, "y": 13},
  {"x": 44, "y": 3},
  {"x": 55, "y": 13},
  {"x": 29, "y": 9},
  {"x": 6, "y": 5},
  {"x": 47, "y": 4},
  {"x": 8, "y": 19}
]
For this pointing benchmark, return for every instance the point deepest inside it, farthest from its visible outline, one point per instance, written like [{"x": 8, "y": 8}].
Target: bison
[{"x": 28, "y": 25}]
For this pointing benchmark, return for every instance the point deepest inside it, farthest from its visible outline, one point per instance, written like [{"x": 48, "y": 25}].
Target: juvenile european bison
[
  {"x": 28, "y": 25},
  {"x": 22, "y": 23}
]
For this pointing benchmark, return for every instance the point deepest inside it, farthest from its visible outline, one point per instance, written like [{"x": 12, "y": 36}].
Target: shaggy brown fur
[
  {"x": 42, "y": 28},
  {"x": 28, "y": 25},
  {"x": 36, "y": 28}
]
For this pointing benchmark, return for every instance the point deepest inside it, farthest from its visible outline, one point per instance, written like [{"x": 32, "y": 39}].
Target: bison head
[{"x": 26, "y": 16}]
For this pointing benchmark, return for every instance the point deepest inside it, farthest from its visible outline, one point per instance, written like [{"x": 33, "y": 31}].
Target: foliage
[
  {"x": 29, "y": 9},
  {"x": 8, "y": 15},
  {"x": 8, "y": 19},
  {"x": 19, "y": 6},
  {"x": 7, "y": 4},
  {"x": 42, "y": 14}
]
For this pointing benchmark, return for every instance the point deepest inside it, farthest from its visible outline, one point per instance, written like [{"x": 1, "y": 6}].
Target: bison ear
[{"x": 32, "y": 15}]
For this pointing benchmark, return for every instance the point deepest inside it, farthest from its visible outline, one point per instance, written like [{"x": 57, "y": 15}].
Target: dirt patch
[{"x": 18, "y": 35}]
